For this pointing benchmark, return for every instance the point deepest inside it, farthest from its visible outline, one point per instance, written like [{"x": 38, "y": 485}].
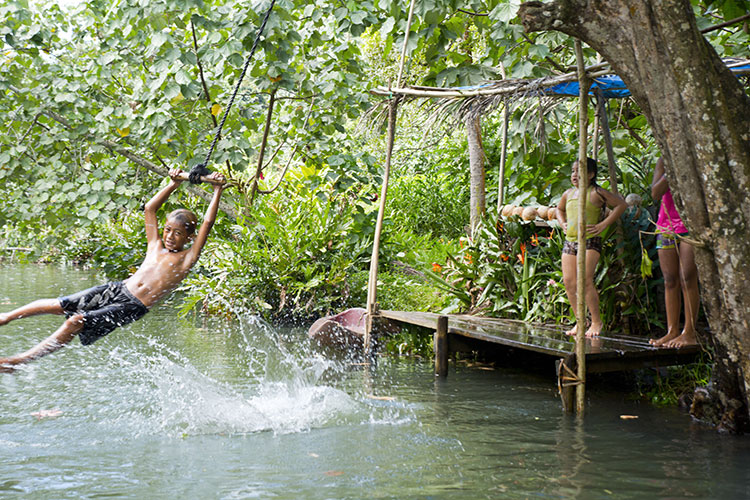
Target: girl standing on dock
[
  {"x": 567, "y": 216},
  {"x": 677, "y": 263}
]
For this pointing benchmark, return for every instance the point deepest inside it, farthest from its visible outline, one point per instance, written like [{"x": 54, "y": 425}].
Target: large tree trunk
[
  {"x": 700, "y": 117},
  {"x": 476, "y": 167}
]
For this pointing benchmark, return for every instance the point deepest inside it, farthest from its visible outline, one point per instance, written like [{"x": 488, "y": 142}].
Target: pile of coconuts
[{"x": 530, "y": 213}]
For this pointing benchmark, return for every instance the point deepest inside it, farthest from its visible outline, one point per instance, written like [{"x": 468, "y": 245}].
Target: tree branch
[
  {"x": 116, "y": 148},
  {"x": 725, "y": 24},
  {"x": 538, "y": 16},
  {"x": 200, "y": 71},
  {"x": 478, "y": 14}
]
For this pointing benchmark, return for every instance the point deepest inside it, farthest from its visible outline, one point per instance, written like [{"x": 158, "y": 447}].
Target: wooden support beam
[
  {"x": 372, "y": 283},
  {"x": 601, "y": 113},
  {"x": 441, "y": 347},
  {"x": 567, "y": 381},
  {"x": 503, "y": 157},
  {"x": 584, "y": 82}
]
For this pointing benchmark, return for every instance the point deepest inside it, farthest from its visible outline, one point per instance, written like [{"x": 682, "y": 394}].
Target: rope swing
[{"x": 202, "y": 168}]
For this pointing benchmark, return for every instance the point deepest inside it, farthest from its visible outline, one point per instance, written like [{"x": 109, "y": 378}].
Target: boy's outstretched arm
[
  {"x": 155, "y": 203},
  {"x": 208, "y": 219}
]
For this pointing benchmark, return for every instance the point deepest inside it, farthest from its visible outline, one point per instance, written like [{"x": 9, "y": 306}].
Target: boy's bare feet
[
  {"x": 662, "y": 341},
  {"x": 685, "y": 339},
  {"x": 594, "y": 330},
  {"x": 572, "y": 331},
  {"x": 6, "y": 366},
  {"x": 4, "y": 320}
]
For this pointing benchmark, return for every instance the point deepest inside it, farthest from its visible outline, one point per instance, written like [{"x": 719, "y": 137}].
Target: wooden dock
[{"x": 606, "y": 353}]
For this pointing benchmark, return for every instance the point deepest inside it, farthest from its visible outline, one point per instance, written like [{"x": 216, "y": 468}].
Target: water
[{"x": 173, "y": 407}]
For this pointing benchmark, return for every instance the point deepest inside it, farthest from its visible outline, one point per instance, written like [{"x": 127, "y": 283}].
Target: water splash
[{"x": 271, "y": 380}]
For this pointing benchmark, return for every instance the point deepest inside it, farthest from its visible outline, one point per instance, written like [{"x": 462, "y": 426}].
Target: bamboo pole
[
  {"x": 583, "y": 180},
  {"x": 601, "y": 108},
  {"x": 503, "y": 155},
  {"x": 406, "y": 42},
  {"x": 595, "y": 139},
  {"x": 372, "y": 283},
  {"x": 506, "y": 87}
]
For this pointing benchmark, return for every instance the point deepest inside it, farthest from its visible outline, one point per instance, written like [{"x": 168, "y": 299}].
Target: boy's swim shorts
[{"x": 104, "y": 308}]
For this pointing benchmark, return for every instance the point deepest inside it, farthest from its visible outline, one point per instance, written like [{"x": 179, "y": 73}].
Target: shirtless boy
[{"x": 94, "y": 313}]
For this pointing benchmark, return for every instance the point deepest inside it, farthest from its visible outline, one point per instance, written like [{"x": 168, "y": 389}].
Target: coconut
[
  {"x": 518, "y": 211},
  {"x": 542, "y": 212},
  {"x": 552, "y": 213},
  {"x": 507, "y": 210},
  {"x": 528, "y": 213}
]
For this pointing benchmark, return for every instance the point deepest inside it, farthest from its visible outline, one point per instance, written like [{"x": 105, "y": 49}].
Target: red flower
[
  {"x": 534, "y": 241},
  {"x": 467, "y": 258},
  {"x": 436, "y": 268},
  {"x": 522, "y": 256},
  {"x": 505, "y": 257}
]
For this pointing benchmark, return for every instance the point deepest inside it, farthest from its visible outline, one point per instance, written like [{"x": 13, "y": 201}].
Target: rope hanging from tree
[{"x": 202, "y": 168}]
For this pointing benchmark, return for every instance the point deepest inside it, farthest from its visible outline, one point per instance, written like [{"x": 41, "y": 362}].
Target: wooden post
[
  {"x": 604, "y": 121},
  {"x": 372, "y": 284},
  {"x": 583, "y": 179},
  {"x": 595, "y": 139},
  {"x": 441, "y": 347},
  {"x": 503, "y": 154},
  {"x": 566, "y": 368},
  {"x": 601, "y": 113},
  {"x": 406, "y": 43}
]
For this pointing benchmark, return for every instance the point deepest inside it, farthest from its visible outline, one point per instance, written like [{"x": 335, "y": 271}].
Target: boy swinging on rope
[{"x": 93, "y": 313}]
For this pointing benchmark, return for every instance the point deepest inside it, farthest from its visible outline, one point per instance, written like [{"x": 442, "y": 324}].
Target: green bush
[
  {"x": 427, "y": 205},
  {"x": 289, "y": 259}
]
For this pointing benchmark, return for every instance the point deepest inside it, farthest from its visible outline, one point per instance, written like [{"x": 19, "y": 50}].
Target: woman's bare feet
[
  {"x": 4, "y": 320},
  {"x": 594, "y": 330},
  {"x": 662, "y": 341},
  {"x": 572, "y": 331},
  {"x": 685, "y": 339}
]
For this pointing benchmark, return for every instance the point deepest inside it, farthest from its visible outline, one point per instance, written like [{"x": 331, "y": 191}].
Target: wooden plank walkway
[{"x": 606, "y": 353}]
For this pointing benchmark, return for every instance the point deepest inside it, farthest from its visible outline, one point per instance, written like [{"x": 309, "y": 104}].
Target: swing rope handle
[
  {"x": 185, "y": 176},
  {"x": 202, "y": 168}
]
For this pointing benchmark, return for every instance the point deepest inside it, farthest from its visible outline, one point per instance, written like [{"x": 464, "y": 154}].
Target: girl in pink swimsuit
[{"x": 677, "y": 262}]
